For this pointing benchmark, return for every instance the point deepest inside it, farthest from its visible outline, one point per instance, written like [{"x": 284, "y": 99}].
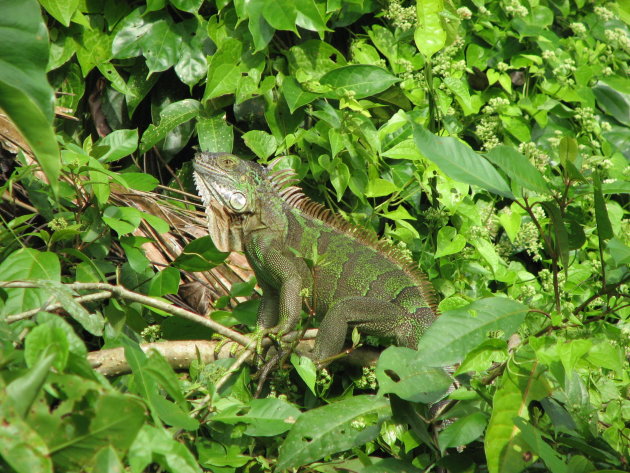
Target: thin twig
[
  {"x": 97, "y": 296},
  {"x": 124, "y": 293}
]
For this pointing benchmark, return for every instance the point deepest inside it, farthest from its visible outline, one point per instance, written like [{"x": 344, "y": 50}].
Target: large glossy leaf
[
  {"x": 25, "y": 94},
  {"x": 264, "y": 417},
  {"x": 430, "y": 35},
  {"x": 173, "y": 115},
  {"x": 333, "y": 428},
  {"x": 21, "y": 447},
  {"x": 117, "y": 420},
  {"x": 21, "y": 392},
  {"x": 61, "y": 10},
  {"x": 295, "y": 96},
  {"x": 459, "y": 162},
  {"x": 153, "y": 35},
  {"x": 458, "y": 331},
  {"x": 361, "y": 80},
  {"x": 522, "y": 382},
  {"x": 199, "y": 255},
  {"x": 28, "y": 264},
  {"x": 215, "y": 134},
  {"x": 614, "y": 103},
  {"x": 403, "y": 372},
  {"x": 518, "y": 168},
  {"x": 280, "y": 14}
]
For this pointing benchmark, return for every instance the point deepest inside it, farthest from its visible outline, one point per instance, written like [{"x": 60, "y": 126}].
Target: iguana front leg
[{"x": 280, "y": 280}]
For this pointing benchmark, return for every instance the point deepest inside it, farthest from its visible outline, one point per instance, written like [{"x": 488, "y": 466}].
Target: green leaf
[
  {"x": 459, "y": 162},
  {"x": 614, "y": 103},
  {"x": 117, "y": 420},
  {"x": 561, "y": 237},
  {"x": 532, "y": 437},
  {"x": 215, "y": 134},
  {"x": 140, "y": 181},
  {"x": 333, "y": 428},
  {"x": 21, "y": 447},
  {"x": 402, "y": 372},
  {"x": 449, "y": 242},
  {"x": 619, "y": 252},
  {"x": 25, "y": 94},
  {"x": 280, "y": 14},
  {"x": 458, "y": 331},
  {"x": 260, "y": 30},
  {"x": 173, "y": 115},
  {"x": 361, "y": 80},
  {"x": 164, "y": 282},
  {"x": 261, "y": 143},
  {"x": 61, "y": 10},
  {"x": 199, "y": 255},
  {"x": 122, "y": 219},
  {"x": 380, "y": 187},
  {"x": 270, "y": 417},
  {"x": 430, "y": 35},
  {"x": 28, "y": 264},
  {"x": 264, "y": 418},
  {"x": 222, "y": 80},
  {"x": 190, "y": 6},
  {"x": 295, "y": 96},
  {"x": 481, "y": 357},
  {"x": 45, "y": 340},
  {"x": 306, "y": 370},
  {"x": 522, "y": 382},
  {"x": 22, "y": 391},
  {"x": 568, "y": 150},
  {"x": 107, "y": 461},
  {"x": 604, "y": 228},
  {"x": 311, "y": 15},
  {"x": 117, "y": 145},
  {"x": 153, "y": 35},
  {"x": 518, "y": 168},
  {"x": 462, "y": 431}
]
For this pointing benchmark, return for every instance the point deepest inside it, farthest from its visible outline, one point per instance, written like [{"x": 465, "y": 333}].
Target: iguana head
[{"x": 229, "y": 188}]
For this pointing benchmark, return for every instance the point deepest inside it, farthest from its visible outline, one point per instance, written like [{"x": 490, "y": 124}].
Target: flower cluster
[
  {"x": 516, "y": 9},
  {"x": 604, "y": 13},
  {"x": 494, "y": 105},
  {"x": 401, "y": 17},
  {"x": 486, "y": 131},
  {"x": 578, "y": 28},
  {"x": 58, "y": 223},
  {"x": 464, "y": 13},
  {"x": 152, "y": 333},
  {"x": 586, "y": 117},
  {"x": 443, "y": 64},
  {"x": 536, "y": 156},
  {"x": 368, "y": 379},
  {"x": 618, "y": 39},
  {"x": 564, "y": 70},
  {"x": 528, "y": 238}
]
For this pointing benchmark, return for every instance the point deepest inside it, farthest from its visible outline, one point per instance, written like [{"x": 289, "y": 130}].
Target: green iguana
[{"x": 302, "y": 254}]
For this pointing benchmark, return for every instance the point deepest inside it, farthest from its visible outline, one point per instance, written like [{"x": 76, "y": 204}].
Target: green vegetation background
[{"x": 489, "y": 138}]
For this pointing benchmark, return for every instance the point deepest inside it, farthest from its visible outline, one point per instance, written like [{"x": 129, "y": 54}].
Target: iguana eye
[
  {"x": 227, "y": 163},
  {"x": 238, "y": 201}
]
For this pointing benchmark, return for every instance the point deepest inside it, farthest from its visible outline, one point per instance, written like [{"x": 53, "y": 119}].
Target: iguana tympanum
[{"x": 302, "y": 254}]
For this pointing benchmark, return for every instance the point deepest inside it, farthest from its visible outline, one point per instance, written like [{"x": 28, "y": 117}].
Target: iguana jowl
[{"x": 303, "y": 254}]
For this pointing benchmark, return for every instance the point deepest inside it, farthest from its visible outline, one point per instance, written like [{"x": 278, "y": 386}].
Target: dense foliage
[{"x": 488, "y": 138}]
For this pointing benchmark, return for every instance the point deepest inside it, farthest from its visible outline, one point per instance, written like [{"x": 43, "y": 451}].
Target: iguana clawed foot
[{"x": 283, "y": 350}]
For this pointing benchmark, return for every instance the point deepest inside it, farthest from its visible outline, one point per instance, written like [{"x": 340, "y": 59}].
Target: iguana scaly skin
[{"x": 304, "y": 255}]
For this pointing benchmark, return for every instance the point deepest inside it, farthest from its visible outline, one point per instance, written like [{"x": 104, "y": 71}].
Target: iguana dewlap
[{"x": 304, "y": 256}]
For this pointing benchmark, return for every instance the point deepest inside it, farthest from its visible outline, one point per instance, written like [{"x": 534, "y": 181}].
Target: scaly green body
[{"x": 303, "y": 255}]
